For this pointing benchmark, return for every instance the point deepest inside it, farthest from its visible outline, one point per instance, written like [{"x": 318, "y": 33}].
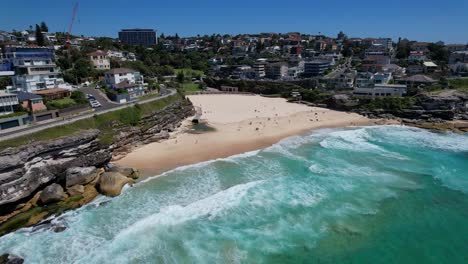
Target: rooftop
[
  {"x": 52, "y": 91},
  {"x": 98, "y": 53},
  {"x": 24, "y": 96},
  {"x": 120, "y": 70},
  {"x": 420, "y": 78}
]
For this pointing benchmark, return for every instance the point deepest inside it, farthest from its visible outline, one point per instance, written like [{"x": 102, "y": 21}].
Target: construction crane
[{"x": 75, "y": 9}]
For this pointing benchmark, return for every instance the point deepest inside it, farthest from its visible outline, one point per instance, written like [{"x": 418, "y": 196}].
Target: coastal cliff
[{"x": 46, "y": 178}]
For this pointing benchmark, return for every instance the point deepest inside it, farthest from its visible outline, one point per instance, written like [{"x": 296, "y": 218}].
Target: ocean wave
[{"x": 210, "y": 207}]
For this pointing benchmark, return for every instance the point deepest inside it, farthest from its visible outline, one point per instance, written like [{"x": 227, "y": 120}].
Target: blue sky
[{"x": 425, "y": 20}]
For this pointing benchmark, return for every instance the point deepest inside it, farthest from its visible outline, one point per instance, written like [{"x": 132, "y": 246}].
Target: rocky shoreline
[
  {"x": 47, "y": 178},
  {"x": 444, "y": 111}
]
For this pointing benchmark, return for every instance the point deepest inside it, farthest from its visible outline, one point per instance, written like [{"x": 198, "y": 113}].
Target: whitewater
[{"x": 380, "y": 194}]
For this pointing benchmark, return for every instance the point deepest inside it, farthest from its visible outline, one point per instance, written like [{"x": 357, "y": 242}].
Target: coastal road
[{"x": 20, "y": 131}]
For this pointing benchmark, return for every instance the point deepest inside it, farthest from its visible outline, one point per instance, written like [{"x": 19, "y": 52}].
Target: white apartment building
[
  {"x": 381, "y": 90},
  {"x": 259, "y": 68},
  {"x": 116, "y": 76}
]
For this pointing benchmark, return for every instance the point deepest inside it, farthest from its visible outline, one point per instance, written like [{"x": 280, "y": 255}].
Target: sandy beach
[{"x": 242, "y": 123}]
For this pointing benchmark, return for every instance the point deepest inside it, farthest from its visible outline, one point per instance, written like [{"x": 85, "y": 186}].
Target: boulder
[
  {"x": 80, "y": 176},
  {"x": 76, "y": 190},
  {"x": 52, "y": 193},
  {"x": 111, "y": 183},
  {"x": 10, "y": 259},
  {"x": 125, "y": 171}
]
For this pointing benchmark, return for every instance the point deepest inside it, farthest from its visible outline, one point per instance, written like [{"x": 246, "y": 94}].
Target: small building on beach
[{"x": 230, "y": 89}]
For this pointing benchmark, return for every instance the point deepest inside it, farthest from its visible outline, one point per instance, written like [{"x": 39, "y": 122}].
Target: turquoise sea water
[{"x": 385, "y": 194}]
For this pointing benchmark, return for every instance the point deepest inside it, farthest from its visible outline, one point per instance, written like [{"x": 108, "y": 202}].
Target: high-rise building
[{"x": 145, "y": 37}]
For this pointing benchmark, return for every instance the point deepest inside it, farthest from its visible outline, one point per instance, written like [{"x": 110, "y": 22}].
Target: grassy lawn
[
  {"x": 61, "y": 103},
  {"x": 460, "y": 84},
  {"x": 190, "y": 88},
  {"x": 189, "y": 72},
  {"x": 104, "y": 122}
]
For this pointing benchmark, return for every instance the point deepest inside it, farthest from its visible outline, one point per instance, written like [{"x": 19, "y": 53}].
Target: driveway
[{"x": 106, "y": 104}]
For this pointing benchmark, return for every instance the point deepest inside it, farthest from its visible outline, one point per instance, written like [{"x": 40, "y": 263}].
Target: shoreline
[{"x": 239, "y": 128}]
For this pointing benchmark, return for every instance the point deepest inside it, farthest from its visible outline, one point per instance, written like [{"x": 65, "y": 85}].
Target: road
[
  {"x": 106, "y": 103},
  {"x": 106, "y": 107}
]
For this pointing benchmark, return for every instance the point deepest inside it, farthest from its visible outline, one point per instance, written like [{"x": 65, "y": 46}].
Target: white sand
[{"x": 242, "y": 122}]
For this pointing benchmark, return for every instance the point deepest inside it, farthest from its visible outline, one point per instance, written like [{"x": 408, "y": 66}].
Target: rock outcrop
[
  {"x": 52, "y": 194},
  {"x": 127, "y": 172},
  {"x": 47, "y": 178},
  {"x": 445, "y": 106},
  {"x": 154, "y": 127},
  {"x": 23, "y": 170},
  {"x": 111, "y": 183},
  {"x": 80, "y": 176}
]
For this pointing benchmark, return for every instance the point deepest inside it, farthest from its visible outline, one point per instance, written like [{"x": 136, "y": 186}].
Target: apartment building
[{"x": 34, "y": 68}]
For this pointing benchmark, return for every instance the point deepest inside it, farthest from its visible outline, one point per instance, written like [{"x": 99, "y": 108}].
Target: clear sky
[{"x": 424, "y": 20}]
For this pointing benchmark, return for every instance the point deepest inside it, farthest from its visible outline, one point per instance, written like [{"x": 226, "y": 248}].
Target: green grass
[
  {"x": 61, "y": 103},
  {"x": 189, "y": 72},
  {"x": 460, "y": 84},
  {"x": 190, "y": 87},
  {"x": 105, "y": 123},
  {"x": 13, "y": 115}
]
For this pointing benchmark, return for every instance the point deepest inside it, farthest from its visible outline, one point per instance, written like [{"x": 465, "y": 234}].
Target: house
[
  {"x": 125, "y": 79},
  {"x": 414, "y": 69},
  {"x": 385, "y": 42},
  {"x": 429, "y": 66},
  {"x": 119, "y": 75},
  {"x": 456, "y": 47},
  {"x": 417, "y": 80},
  {"x": 50, "y": 37},
  {"x": 53, "y": 94},
  {"x": 458, "y": 56},
  {"x": 100, "y": 60},
  {"x": 377, "y": 59},
  {"x": 8, "y": 118},
  {"x": 34, "y": 68},
  {"x": 31, "y": 102},
  {"x": 382, "y": 78},
  {"x": 416, "y": 56},
  {"x": 8, "y": 102},
  {"x": 377, "y": 49},
  {"x": 420, "y": 46},
  {"x": 364, "y": 79},
  {"x": 7, "y": 37},
  {"x": 133, "y": 90},
  {"x": 381, "y": 90},
  {"x": 342, "y": 81}
]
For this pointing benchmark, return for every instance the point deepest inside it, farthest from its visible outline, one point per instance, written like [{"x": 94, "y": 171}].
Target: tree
[
  {"x": 180, "y": 76},
  {"x": 162, "y": 36},
  {"x": 44, "y": 27},
  {"x": 39, "y": 37},
  {"x": 4, "y": 82},
  {"x": 438, "y": 52}
]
